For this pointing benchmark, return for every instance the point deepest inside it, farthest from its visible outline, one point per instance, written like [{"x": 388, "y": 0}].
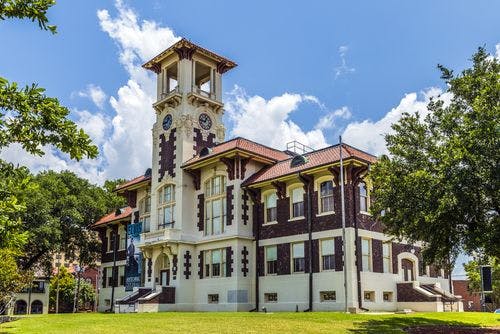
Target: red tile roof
[
  {"x": 242, "y": 144},
  {"x": 134, "y": 181},
  {"x": 317, "y": 158},
  {"x": 113, "y": 216}
]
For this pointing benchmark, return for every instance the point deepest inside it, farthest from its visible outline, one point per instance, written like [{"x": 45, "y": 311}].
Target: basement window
[
  {"x": 271, "y": 297},
  {"x": 327, "y": 296},
  {"x": 387, "y": 295},
  {"x": 213, "y": 298},
  {"x": 369, "y": 296}
]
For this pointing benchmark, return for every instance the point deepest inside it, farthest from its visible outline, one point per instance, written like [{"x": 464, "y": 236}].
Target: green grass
[{"x": 170, "y": 322}]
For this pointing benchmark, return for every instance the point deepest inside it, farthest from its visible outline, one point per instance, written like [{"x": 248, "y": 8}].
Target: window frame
[
  {"x": 321, "y": 197},
  {"x": 367, "y": 255},
  {"x": 270, "y": 297},
  {"x": 302, "y": 260},
  {"x": 212, "y": 197},
  {"x": 365, "y": 198},
  {"x": 387, "y": 257},
  {"x": 209, "y": 264},
  {"x": 144, "y": 213},
  {"x": 163, "y": 204},
  {"x": 322, "y": 260},
  {"x": 266, "y": 195},
  {"x": 293, "y": 188},
  {"x": 266, "y": 248}
]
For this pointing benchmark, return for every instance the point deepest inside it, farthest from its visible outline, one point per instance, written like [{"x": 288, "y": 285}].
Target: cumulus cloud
[
  {"x": 328, "y": 121},
  {"x": 343, "y": 68},
  {"x": 268, "y": 121},
  {"x": 95, "y": 94},
  {"x": 369, "y": 135}
]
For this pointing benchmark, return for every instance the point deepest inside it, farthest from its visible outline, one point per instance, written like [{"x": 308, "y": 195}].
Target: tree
[
  {"x": 472, "y": 270},
  {"x": 66, "y": 283},
  {"x": 440, "y": 183},
  {"x": 33, "y": 10}
]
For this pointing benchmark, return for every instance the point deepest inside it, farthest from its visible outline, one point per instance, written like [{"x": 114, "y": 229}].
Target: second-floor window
[
  {"x": 363, "y": 197},
  {"x": 145, "y": 212},
  {"x": 123, "y": 238},
  {"x": 326, "y": 196},
  {"x": 166, "y": 206},
  {"x": 298, "y": 257},
  {"x": 215, "y": 205},
  {"x": 328, "y": 254},
  {"x": 366, "y": 254},
  {"x": 297, "y": 202},
  {"x": 271, "y": 208},
  {"x": 271, "y": 260},
  {"x": 386, "y": 256}
]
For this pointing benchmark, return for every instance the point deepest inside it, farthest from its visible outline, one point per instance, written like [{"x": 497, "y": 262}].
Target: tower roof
[{"x": 185, "y": 49}]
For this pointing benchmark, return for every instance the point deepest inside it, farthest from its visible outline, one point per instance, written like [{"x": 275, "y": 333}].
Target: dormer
[{"x": 188, "y": 71}]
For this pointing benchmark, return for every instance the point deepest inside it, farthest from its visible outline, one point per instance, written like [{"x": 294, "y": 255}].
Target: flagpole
[{"x": 344, "y": 242}]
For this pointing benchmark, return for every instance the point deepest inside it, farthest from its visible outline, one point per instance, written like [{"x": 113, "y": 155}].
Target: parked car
[{"x": 497, "y": 311}]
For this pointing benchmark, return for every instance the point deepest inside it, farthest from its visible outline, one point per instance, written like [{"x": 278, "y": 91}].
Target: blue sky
[{"x": 313, "y": 70}]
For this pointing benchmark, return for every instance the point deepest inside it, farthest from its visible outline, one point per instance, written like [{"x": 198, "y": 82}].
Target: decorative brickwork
[
  {"x": 283, "y": 259},
  {"x": 398, "y": 248},
  {"x": 229, "y": 261},
  {"x": 174, "y": 267},
  {"x": 150, "y": 269},
  {"x": 167, "y": 155},
  {"x": 200, "y": 143},
  {"x": 201, "y": 212},
  {"x": 196, "y": 175},
  {"x": 406, "y": 293},
  {"x": 104, "y": 282},
  {"x": 229, "y": 205},
  {"x": 315, "y": 255},
  {"x": 200, "y": 265},
  {"x": 339, "y": 264},
  {"x": 261, "y": 261},
  {"x": 244, "y": 207},
  {"x": 243, "y": 168},
  {"x": 244, "y": 261},
  {"x": 377, "y": 259},
  {"x": 187, "y": 265}
]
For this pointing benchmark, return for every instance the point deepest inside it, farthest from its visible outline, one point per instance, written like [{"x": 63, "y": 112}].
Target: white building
[{"x": 226, "y": 226}]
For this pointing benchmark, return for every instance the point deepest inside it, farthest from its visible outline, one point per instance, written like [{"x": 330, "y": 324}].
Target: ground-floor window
[
  {"x": 387, "y": 296},
  {"x": 20, "y": 307},
  {"x": 271, "y": 297},
  {"x": 369, "y": 296},
  {"x": 271, "y": 260},
  {"x": 327, "y": 296},
  {"x": 36, "y": 307},
  {"x": 298, "y": 257},
  {"x": 215, "y": 263},
  {"x": 213, "y": 298}
]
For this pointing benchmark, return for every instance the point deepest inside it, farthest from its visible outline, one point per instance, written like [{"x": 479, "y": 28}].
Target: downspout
[
  {"x": 308, "y": 183},
  {"x": 257, "y": 236},
  {"x": 112, "y": 308},
  {"x": 357, "y": 246}
]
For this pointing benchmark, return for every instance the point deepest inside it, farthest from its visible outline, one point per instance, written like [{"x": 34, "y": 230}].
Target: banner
[{"x": 133, "y": 267}]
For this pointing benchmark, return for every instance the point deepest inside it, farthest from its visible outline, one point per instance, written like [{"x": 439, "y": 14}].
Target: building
[
  {"x": 234, "y": 225},
  {"x": 471, "y": 300},
  {"x": 31, "y": 300}
]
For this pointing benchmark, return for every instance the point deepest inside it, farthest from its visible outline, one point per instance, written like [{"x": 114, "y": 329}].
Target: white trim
[
  {"x": 296, "y": 218},
  {"x": 326, "y": 213}
]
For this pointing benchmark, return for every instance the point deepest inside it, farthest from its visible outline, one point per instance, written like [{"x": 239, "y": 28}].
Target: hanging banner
[{"x": 133, "y": 268}]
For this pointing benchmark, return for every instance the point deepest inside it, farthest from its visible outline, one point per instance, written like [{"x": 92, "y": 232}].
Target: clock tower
[{"x": 189, "y": 113}]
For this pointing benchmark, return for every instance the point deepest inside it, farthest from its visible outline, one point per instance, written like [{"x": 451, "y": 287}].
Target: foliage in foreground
[
  {"x": 66, "y": 283},
  {"x": 474, "y": 277},
  {"x": 441, "y": 181}
]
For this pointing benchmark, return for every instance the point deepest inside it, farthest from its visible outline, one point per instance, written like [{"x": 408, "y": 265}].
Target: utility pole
[
  {"x": 344, "y": 241},
  {"x": 112, "y": 309}
]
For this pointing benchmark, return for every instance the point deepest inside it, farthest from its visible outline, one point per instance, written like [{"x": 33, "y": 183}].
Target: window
[
  {"x": 298, "y": 257},
  {"x": 215, "y": 262},
  {"x": 271, "y": 260},
  {"x": 169, "y": 79},
  {"x": 109, "y": 236},
  {"x": 271, "y": 209},
  {"x": 386, "y": 257},
  {"x": 387, "y": 296},
  {"x": 326, "y": 196},
  {"x": 366, "y": 254},
  {"x": 327, "y": 296},
  {"x": 203, "y": 79},
  {"x": 145, "y": 212},
  {"x": 215, "y": 205},
  {"x": 369, "y": 296},
  {"x": 271, "y": 297},
  {"x": 123, "y": 239},
  {"x": 213, "y": 298},
  {"x": 363, "y": 197},
  {"x": 109, "y": 275},
  {"x": 328, "y": 254},
  {"x": 166, "y": 208},
  {"x": 107, "y": 302},
  {"x": 298, "y": 202},
  {"x": 121, "y": 275}
]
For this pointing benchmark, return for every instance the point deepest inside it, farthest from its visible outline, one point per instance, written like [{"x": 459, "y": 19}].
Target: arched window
[
  {"x": 145, "y": 212},
  {"x": 363, "y": 197},
  {"x": 271, "y": 207},
  {"x": 215, "y": 205},
  {"x": 297, "y": 198},
  {"x": 36, "y": 307},
  {"x": 166, "y": 206},
  {"x": 326, "y": 196},
  {"x": 20, "y": 307}
]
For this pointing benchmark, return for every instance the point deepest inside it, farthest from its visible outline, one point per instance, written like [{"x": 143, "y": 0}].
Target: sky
[{"x": 313, "y": 70}]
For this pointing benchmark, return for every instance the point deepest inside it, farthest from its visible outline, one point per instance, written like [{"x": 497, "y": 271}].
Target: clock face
[
  {"x": 205, "y": 121},
  {"x": 167, "y": 122}
]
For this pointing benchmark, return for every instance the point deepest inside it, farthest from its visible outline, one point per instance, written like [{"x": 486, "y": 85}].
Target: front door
[
  {"x": 164, "y": 277},
  {"x": 407, "y": 267}
]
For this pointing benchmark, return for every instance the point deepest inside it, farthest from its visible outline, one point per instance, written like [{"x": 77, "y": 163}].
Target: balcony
[
  {"x": 165, "y": 232},
  {"x": 199, "y": 97},
  {"x": 171, "y": 99}
]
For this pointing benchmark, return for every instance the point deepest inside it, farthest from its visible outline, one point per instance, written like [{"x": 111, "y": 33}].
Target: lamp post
[{"x": 58, "y": 264}]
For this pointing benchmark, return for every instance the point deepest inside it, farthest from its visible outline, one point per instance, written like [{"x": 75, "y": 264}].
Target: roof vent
[
  {"x": 118, "y": 212},
  {"x": 298, "y": 160},
  {"x": 205, "y": 151},
  {"x": 148, "y": 172}
]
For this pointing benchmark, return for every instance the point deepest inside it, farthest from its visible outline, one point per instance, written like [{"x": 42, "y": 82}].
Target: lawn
[{"x": 240, "y": 322}]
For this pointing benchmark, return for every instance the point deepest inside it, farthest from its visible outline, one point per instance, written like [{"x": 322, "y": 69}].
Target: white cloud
[
  {"x": 343, "y": 68},
  {"x": 94, "y": 93},
  {"x": 328, "y": 121},
  {"x": 268, "y": 121},
  {"x": 369, "y": 135},
  {"x": 95, "y": 125}
]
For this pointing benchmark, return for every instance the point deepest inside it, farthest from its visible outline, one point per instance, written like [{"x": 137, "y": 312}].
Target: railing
[
  {"x": 164, "y": 95},
  {"x": 166, "y": 225},
  {"x": 299, "y": 148}
]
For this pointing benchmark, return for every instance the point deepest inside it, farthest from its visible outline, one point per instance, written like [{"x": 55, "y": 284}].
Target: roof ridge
[{"x": 263, "y": 145}]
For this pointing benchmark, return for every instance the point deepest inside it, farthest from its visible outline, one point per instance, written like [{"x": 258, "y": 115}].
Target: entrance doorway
[
  {"x": 162, "y": 270},
  {"x": 165, "y": 277},
  {"x": 408, "y": 272}
]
